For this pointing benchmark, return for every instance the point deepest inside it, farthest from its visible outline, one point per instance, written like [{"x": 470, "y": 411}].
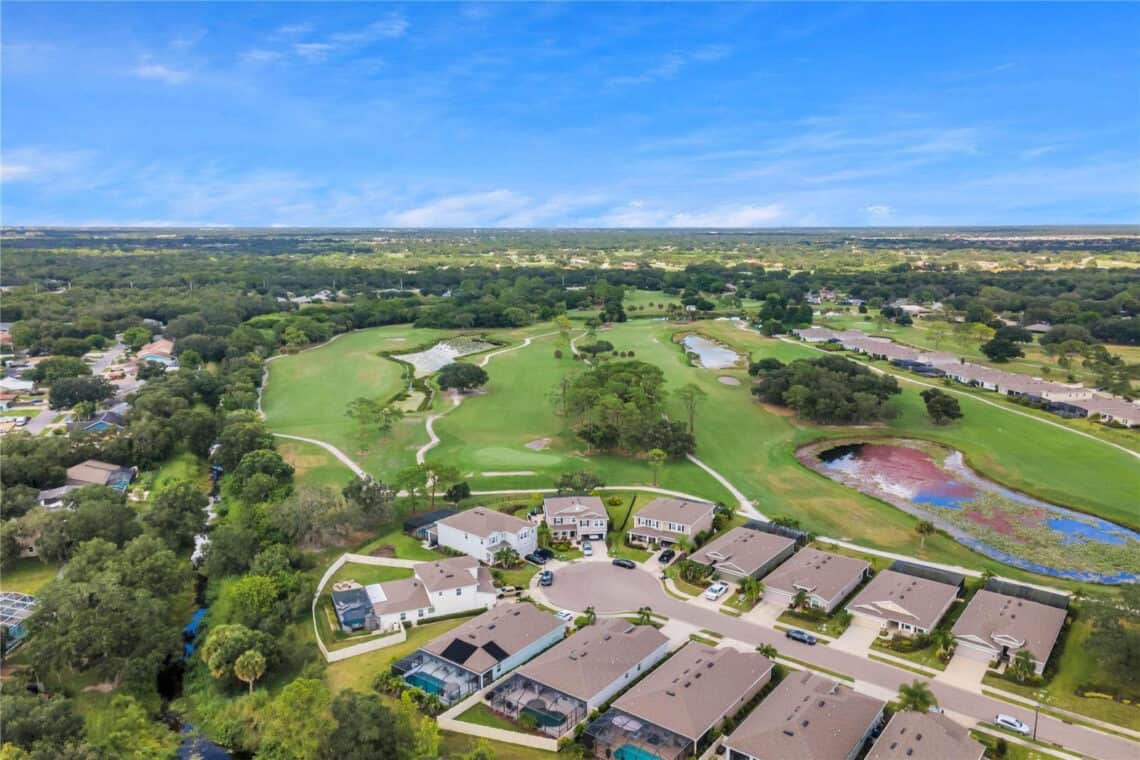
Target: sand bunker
[
  {"x": 507, "y": 473},
  {"x": 539, "y": 444},
  {"x": 726, "y": 380},
  {"x": 441, "y": 354}
]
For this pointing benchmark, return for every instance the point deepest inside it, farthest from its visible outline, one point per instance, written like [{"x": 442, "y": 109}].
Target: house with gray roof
[
  {"x": 901, "y": 603},
  {"x": 744, "y": 553},
  {"x": 481, "y": 532},
  {"x": 672, "y": 713},
  {"x": 573, "y": 518},
  {"x": 567, "y": 682},
  {"x": 994, "y": 626},
  {"x": 807, "y": 717},
  {"x": 667, "y": 520},
  {"x": 914, "y": 735},
  {"x": 826, "y": 579},
  {"x": 475, "y": 654}
]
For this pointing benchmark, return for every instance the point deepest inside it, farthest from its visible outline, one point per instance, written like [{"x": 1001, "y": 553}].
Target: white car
[
  {"x": 716, "y": 591},
  {"x": 565, "y": 615},
  {"x": 587, "y": 549},
  {"x": 1012, "y": 723}
]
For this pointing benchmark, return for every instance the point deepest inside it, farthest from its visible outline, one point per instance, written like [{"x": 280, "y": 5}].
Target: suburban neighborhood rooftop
[
  {"x": 493, "y": 636},
  {"x": 909, "y": 599},
  {"x": 817, "y": 572}
]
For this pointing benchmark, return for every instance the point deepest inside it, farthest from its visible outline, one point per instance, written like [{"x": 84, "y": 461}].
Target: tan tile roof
[
  {"x": 93, "y": 471},
  {"x": 446, "y": 574},
  {"x": 806, "y": 717},
  {"x": 695, "y": 688},
  {"x": 508, "y": 628},
  {"x": 160, "y": 347},
  {"x": 915, "y": 735},
  {"x": 481, "y": 521},
  {"x": 594, "y": 657},
  {"x": 742, "y": 549},
  {"x": 905, "y": 598},
  {"x": 574, "y": 506},
  {"x": 681, "y": 511},
  {"x": 990, "y": 614},
  {"x": 397, "y": 596},
  {"x": 821, "y": 573}
]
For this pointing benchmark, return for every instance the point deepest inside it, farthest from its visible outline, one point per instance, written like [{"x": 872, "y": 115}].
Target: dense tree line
[{"x": 831, "y": 390}]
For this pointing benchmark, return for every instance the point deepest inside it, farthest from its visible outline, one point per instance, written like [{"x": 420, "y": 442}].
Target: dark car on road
[
  {"x": 628, "y": 564},
  {"x": 544, "y": 553},
  {"x": 666, "y": 556},
  {"x": 802, "y": 636},
  {"x": 535, "y": 558},
  {"x": 546, "y": 578}
]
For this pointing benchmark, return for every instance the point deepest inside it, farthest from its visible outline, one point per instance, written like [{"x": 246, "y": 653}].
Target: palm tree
[
  {"x": 916, "y": 697},
  {"x": 645, "y": 616},
  {"x": 750, "y": 589},
  {"x": 506, "y": 557},
  {"x": 924, "y": 529},
  {"x": 944, "y": 641},
  {"x": 591, "y": 615},
  {"x": 1021, "y": 667},
  {"x": 656, "y": 458},
  {"x": 799, "y": 600},
  {"x": 249, "y": 666},
  {"x": 768, "y": 651}
]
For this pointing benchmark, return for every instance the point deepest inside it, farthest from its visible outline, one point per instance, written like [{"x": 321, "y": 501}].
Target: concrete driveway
[
  {"x": 764, "y": 613},
  {"x": 856, "y": 639},
  {"x": 965, "y": 673}
]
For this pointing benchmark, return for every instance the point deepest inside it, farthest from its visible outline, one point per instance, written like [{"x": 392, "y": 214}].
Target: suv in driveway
[
  {"x": 716, "y": 591},
  {"x": 587, "y": 549},
  {"x": 535, "y": 558},
  {"x": 666, "y": 556},
  {"x": 803, "y": 637}
]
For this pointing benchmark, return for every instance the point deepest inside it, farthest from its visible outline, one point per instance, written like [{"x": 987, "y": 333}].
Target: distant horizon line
[{"x": 476, "y": 228}]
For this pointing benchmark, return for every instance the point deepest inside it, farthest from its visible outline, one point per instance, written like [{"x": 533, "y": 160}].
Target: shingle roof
[
  {"x": 681, "y": 511},
  {"x": 990, "y": 614},
  {"x": 483, "y": 522},
  {"x": 446, "y": 574},
  {"x": 594, "y": 657},
  {"x": 820, "y": 573},
  {"x": 743, "y": 550},
  {"x": 905, "y": 598},
  {"x": 574, "y": 506},
  {"x": 95, "y": 472},
  {"x": 397, "y": 596},
  {"x": 915, "y": 735},
  {"x": 807, "y": 717},
  {"x": 481, "y": 642},
  {"x": 695, "y": 688}
]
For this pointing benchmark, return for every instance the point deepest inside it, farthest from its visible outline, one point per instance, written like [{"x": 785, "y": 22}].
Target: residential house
[
  {"x": 808, "y": 717},
  {"x": 668, "y": 520},
  {"x": 473, "y": 655},
  {"x": 826, "y": 579},
  {"x": 915, "y": 735},
  {"x": 443, "y": 587},
  {"x": 744, "y": 553},
  {"x": 100, "y": 422},
  {"x": 92, "y": 472},
  {"x": 481, "y": 532},
  {"x": 16, "y": 385},
  {"x": 902, "y": 603},
  {"x": 1110, "y": 409},
  {"x": 160, "y": 351},
  {"x": 573, "y": 518},
  {"x": 994, "y": 626},
  {"x": 7, "y": 400},
  {"x": 672, "y": 712},
  {"x": 420, "y": 525},
  {"x": 564, "y": 684}
]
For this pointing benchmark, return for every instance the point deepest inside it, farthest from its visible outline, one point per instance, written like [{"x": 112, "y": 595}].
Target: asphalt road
[{"x": 611, "y": 589}]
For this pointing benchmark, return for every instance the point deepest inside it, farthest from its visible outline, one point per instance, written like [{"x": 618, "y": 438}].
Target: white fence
[{"x": 379, "y": 641}]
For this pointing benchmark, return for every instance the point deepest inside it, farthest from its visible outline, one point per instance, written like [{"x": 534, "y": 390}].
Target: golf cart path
[
  {"x": 994, "y": 404},
  {"x": 457, "y": 398},
  {"x": 344, "y": 458}
]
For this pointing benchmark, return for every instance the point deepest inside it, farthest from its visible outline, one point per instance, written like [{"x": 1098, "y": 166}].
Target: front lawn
[
  {"x": 828, "y": 626},
  {"x": 27, "y": 575},
  {"x": 927, "y": 656},
  {"x": 520, "y": 576}
]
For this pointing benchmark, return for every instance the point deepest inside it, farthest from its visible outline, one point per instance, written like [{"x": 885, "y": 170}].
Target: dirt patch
[
  {"x": 538, "y": 444},
  {"x": 726, "y": 380},
  {"x": 103, "y": 688},
  {"x": 383, "y": 550}
]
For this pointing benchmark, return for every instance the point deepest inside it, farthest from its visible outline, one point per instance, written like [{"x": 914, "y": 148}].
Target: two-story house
[
  {"x": 573, "y": 518},
  {"x": 481, "y": 532},
  {"x": 667, "y": 520}
]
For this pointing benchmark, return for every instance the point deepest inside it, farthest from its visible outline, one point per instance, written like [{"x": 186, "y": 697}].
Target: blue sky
[{"x": 570, "y": 114}]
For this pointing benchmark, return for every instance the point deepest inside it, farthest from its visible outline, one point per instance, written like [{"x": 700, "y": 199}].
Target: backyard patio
[
  {"x": 621, "y": 736},
  {"x": 554, "y": 712}
]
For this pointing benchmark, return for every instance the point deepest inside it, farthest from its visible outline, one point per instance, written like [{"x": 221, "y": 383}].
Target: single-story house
[
  {"x": 667, "y": 520},
  {"x": 825, "y": 578},
  {"x": 669, "y": 714},
  {"x": 903, "y": 603},
  {"x": 54, "y": 498},
  {"x": 473, "y": 655},
  {"x": 7, "y": 400},
  {"x": 744, "y": 553},
  {"x": 160, "y": 351},
  {"x": 996, "y": 625},
  {"x": 16, "y": 385},
  {"x": 807, "y": 717},
  {"x": 481, "y": 533},
  {"x": 573, "y": 518},
  {"x": 100, "y": 422},
  {"x": 573, "y": 678},
  {"x": 1110, "y": 409},
  {"x": 95, "y": 473},
  {"x": 915, "y": 735},
  {"x": 443, "y": 587}
]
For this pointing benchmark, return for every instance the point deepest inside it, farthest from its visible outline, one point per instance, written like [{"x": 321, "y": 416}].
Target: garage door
[
  {"x": 866, "y": 621},
  {"x": 773, "y": 596},
  {"x": 973, "y": 652}
]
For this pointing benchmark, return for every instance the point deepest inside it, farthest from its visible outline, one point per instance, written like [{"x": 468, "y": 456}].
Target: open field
[
  {"x": 312, "y": 465},
  {"x": 750, "y": 444},
  {"x": 27, "y": 575}
]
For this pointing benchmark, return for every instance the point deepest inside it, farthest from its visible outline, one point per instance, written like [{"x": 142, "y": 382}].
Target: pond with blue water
[
  {"x": 934, "y": 483},
  {"x": 710, "y": 354}
]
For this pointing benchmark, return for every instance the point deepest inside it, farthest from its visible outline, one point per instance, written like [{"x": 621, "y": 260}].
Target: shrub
[
  {"x": 558, "y": 353},
  {"x": 614, "y": 501}
]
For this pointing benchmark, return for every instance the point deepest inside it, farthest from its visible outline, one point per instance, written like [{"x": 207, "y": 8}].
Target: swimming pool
[
  {"x": 430, "y": 684},
  {"x": 633, "y": 752}
]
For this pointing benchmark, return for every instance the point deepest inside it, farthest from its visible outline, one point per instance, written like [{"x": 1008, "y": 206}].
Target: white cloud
[
  {"x": 879, "y": 213},
  {"x": 293, "y": 29},
  {"x": 161, "y": 72},
  {"x": 259, "y": 55},
  {"x": 671, "y": 65},
  {"x": 314, "y": 51},
  {"x": 484, "y": 209},
  {"x": 731, "y": 216},
  {"x": 10, "y": 172}
]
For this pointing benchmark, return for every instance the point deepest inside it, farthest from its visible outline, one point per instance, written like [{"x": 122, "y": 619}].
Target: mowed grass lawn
[
  {"x": 27, "y": 576},
  {"x": 312, "y": 465}
]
